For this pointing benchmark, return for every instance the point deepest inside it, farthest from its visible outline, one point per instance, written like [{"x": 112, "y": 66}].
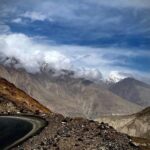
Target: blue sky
[{"x": 104, "y": 35}]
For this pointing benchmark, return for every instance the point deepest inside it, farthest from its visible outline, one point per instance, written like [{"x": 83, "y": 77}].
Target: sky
[{"x": 93, "y": 37}]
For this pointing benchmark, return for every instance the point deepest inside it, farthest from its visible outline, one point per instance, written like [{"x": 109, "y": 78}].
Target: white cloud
[
  {"x": 79, "y": 13},
  {"x": 89, "y": 73},
  {"x": 34, "y": 15},
  {"x": 62, "y": 9},
  {"x": 24, "y": 52},
  {"x": 30, "y": 54},
  {"x": 124, "y": 3},
  {"x": 116, "y": 76},
  {"x": 17, "y": 20},
  {"x": 86, "y": 61}
]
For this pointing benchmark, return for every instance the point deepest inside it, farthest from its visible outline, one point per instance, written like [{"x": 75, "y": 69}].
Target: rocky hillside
[
  {"x": 13, "y": 99},
  {"x": 77, "y": 134},
  {"x": 61, "y": 133},
  {"x": 68, "y": 95},
  {"x": 133, "y": 90},
  {"x": 137, "y": 125}
]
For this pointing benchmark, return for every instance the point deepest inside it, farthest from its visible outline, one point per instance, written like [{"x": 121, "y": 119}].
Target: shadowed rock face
[
  {"x": 133, "y": 90},
  {"x": 68, "y": 95}
]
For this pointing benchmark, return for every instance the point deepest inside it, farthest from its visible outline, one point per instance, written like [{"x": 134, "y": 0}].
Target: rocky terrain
[
  {"x": 132, "y": 90},
  {"x": 63, "y": 133},
  {"x": 66, "y": 133},
  {"x": 137, "y": 125},
  {"x": 68, "y": 95},
  {"x": 74, "y": 134},
  {"x": 142, "y": 142}
]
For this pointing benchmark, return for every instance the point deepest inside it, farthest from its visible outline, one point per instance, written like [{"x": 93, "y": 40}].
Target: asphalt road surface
[{"x": 15, "y": 129}]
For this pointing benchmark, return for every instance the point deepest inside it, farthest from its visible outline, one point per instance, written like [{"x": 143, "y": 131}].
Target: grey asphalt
[{"x": 15, "y": 129}]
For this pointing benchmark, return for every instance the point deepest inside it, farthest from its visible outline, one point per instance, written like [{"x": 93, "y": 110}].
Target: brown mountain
[
  {"x": 68, "y": 95},
  {"x": 132, "y": 90},
  {"x": 13, "y": 99}
]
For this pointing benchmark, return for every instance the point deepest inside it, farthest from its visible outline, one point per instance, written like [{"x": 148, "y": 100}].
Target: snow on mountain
[{"x": 116, "y": 76}]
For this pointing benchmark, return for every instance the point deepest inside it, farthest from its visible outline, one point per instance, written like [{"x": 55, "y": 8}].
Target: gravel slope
[{"x": 77, "y": 134}]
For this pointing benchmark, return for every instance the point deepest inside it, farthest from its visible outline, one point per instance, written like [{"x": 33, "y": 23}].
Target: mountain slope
[
  {"x": 77, "y": 134},
  {"x": 116, "y": 76},
  {"x": 68, "y": 95},
  {"x": 14, "y": 95},
  {"x": 137, "y": 125},
  {"x": 132, "y": 90},
  {"x": 60, "y": 132}
]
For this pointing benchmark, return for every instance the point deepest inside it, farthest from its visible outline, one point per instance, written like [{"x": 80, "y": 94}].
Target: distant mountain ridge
[
  {"x": 58, "y": 132},
  {"x": 68, "y": 95},
  {"x": 132, "y": 90}
]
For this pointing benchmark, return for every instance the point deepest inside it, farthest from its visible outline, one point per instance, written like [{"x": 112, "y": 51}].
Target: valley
[
  {"x": 68, "y": 95},
  {"x": 78, "y": 98},
  {"x": 74, "y": 74}
]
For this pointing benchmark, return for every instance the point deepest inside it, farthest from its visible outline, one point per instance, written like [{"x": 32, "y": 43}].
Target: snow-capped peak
[{"x": 116, "y": 76}]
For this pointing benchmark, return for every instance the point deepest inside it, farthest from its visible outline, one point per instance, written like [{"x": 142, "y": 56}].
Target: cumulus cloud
[
  {"x": 25, "y": 52},
  {"x": 22, "y": 51},
  {"x": 89, "y": 73},
  {"x": 30, "y": 54},
  {"x": 118, "y": 26}
]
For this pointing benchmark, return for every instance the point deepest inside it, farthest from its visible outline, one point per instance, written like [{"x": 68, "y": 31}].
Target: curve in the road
[{"x": 16, "y": 129}]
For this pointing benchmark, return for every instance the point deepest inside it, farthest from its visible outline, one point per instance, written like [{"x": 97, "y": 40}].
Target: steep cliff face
[
  {"x": 137, "y": 125},
  {"x": 68, "y": 95}
]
